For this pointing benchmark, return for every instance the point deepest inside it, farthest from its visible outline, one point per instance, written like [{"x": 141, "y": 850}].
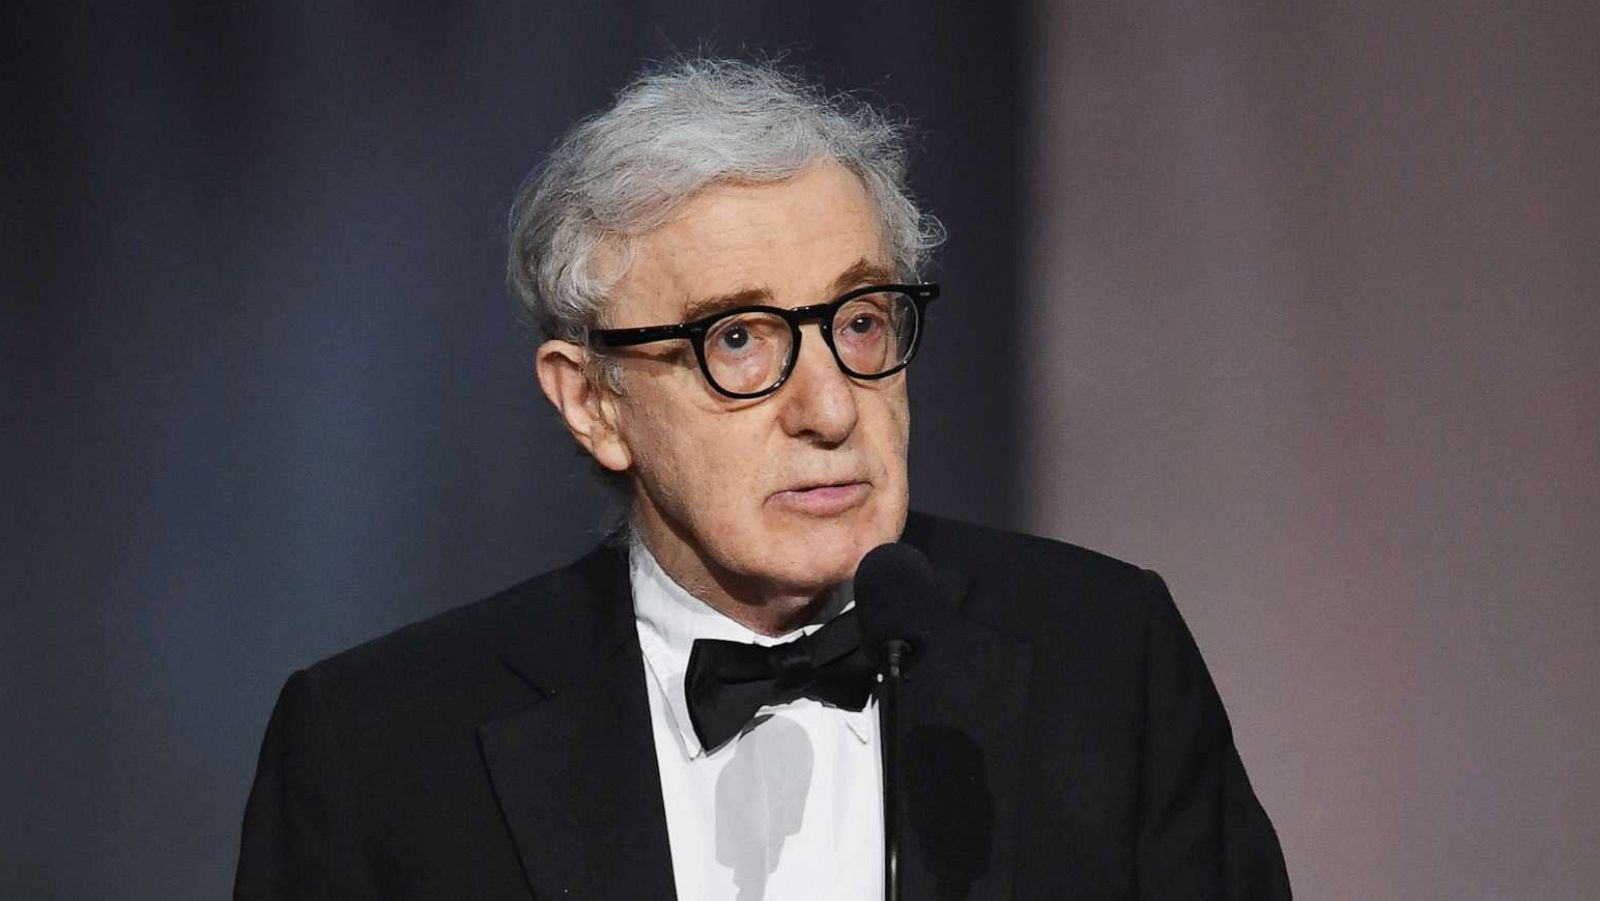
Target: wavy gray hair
[{"x": 671, "y": 133}]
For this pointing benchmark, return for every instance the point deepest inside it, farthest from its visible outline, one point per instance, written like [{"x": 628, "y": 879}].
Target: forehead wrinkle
[{"x": 659, "y": 281}]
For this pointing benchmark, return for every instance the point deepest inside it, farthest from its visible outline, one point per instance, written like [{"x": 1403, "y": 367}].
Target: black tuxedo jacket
[{"x": 1062, "y": 739}]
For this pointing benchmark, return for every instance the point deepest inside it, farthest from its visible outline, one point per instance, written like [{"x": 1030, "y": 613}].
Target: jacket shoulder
[
  {"x": 1034, "y": 586},
  {"x": 986, "y": 550},
  {"x": 454, "y": 659}
]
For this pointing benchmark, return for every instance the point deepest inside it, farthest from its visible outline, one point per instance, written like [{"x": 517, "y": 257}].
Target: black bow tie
[{"x": 727, "y": 682}]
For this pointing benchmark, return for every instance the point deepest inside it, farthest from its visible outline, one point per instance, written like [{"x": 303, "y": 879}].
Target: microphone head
[{"x": 893, "y": 586}]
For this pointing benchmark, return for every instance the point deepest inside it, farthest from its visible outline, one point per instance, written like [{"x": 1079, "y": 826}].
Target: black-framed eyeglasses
[{"x": 750, "y": 352}]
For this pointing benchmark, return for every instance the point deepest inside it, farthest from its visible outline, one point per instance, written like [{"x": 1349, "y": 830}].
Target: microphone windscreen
[{"x": 893, "y": 587}]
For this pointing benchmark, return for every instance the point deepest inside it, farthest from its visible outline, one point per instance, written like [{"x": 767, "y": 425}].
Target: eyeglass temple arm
[{"x": 628, "y": 337}]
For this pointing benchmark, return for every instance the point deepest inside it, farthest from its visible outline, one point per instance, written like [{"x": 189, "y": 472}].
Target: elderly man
[{"x": 725, "y": 265}]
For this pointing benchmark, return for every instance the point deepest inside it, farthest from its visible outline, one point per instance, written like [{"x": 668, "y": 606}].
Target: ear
[{"x": 589, "y": 409}]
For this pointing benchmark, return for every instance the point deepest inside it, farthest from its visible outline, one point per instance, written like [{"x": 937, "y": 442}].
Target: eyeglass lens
[{"x": 748, "y": 352}]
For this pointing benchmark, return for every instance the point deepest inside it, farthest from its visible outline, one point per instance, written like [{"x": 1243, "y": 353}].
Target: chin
[{"x": 820, "y": 553}]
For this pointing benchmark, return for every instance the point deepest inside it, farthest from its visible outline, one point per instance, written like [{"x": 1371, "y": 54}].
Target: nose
[{"x": 819, "y": 400}]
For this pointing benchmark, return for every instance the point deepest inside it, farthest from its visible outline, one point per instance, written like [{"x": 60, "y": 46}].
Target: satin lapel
[
  {"x": 575, "y": 773},
  {"x": 964, "y": 706}
]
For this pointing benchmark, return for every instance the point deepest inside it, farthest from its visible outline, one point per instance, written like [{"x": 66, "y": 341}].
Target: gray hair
[{"x": 671, "y": 133}]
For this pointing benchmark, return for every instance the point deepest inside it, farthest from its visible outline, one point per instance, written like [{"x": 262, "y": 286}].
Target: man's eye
[
  {"x": 735, "y": 337},
  {"x": 862, "y": 324}
]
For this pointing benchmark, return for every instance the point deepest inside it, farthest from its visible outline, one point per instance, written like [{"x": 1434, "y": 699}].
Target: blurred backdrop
[{"x": 1298, "y": 304}]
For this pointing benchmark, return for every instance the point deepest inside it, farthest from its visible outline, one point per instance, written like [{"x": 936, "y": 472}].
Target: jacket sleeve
[
  {"x": 1202, "y": 833},
  {"x": 300, "y": 836}
]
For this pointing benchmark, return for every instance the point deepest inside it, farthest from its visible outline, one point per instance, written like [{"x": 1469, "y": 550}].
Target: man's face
[{"x": 770, "y": 500}]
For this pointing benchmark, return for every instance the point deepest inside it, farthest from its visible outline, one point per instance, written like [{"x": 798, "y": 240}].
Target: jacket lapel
[
  {"x": 963, "y": 708},
  {"x": 575, "y": 772},
  {"x": 576, "y": 775}
]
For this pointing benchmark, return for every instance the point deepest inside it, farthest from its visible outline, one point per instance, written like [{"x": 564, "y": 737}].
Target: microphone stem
[{"x": 889, "y": 696}]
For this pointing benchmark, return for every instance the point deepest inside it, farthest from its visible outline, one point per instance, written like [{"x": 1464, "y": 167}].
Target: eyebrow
[
  {"x": 861, "y": 272},
  {"x": 741, "y": 298}
]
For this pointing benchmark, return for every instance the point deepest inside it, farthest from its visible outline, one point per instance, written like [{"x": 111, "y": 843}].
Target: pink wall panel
[{"x": 1313, "y": 327}]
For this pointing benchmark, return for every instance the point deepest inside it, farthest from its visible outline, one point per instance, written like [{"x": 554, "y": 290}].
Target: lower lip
[{"x": 829, "y": 500}]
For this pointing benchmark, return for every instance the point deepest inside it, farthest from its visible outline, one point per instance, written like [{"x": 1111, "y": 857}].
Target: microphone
[{"x": 892, "y": 585}]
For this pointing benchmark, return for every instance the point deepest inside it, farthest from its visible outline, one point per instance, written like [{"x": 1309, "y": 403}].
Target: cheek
[
  {"x": 894, "y": 425},
  {"x": 693, "y": 462},
  {"x": 899, "y": 439}
]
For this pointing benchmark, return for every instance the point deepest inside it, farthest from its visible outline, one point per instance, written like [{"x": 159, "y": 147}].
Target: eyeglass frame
[{"x": 694, "y": 331}]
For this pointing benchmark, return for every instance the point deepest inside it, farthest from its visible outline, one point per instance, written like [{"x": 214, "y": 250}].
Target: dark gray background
[
  {"x": 266, "y": 395},
  {"x": 1297, "y": 303}
]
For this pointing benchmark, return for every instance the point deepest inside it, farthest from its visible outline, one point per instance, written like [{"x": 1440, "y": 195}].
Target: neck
[
  {"x": 772, "y": 617},
  {"x": 753, "y": 603}
]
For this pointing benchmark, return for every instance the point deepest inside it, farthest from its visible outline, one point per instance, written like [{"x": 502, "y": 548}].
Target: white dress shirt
[{"x": 790, "y": 809}]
